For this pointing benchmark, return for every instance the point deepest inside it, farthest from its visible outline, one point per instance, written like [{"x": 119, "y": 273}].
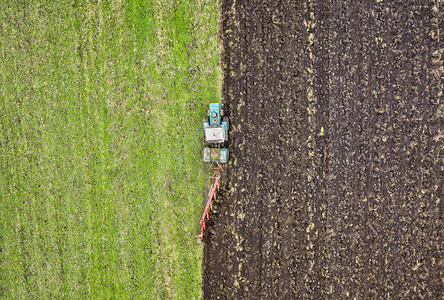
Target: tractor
[{"x": 215, "y": 127}]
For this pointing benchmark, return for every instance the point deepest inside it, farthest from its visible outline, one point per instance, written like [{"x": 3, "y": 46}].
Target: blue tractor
[{"x": 216, "y": 133}]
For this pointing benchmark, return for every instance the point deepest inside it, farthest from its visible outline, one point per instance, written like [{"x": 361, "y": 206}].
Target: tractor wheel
[
  {"x": 205, "y": 121},
  {"x": 225, "y": 119}
]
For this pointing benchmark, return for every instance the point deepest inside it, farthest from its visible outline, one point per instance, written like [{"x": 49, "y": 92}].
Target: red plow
[{"x": 214, "y": 182}]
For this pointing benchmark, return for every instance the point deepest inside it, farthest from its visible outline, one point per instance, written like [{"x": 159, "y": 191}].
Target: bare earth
[{"x": 333, "y": 187}]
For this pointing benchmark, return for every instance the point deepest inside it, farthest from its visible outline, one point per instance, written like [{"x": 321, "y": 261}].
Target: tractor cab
[{"x": 216, "y": 133}]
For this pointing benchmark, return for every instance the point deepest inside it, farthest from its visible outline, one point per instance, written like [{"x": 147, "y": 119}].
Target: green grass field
[{"x": 102, "y": 180}]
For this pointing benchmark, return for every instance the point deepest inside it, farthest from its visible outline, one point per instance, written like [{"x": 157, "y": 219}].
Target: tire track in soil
[{"x": 332, "y": 189}]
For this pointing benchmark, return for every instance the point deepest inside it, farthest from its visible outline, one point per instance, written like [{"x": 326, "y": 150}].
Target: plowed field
[{"x": 333, "y": 187}]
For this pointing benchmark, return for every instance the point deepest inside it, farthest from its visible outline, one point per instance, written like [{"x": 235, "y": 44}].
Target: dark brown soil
[{"x": 333, "y": 187}]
